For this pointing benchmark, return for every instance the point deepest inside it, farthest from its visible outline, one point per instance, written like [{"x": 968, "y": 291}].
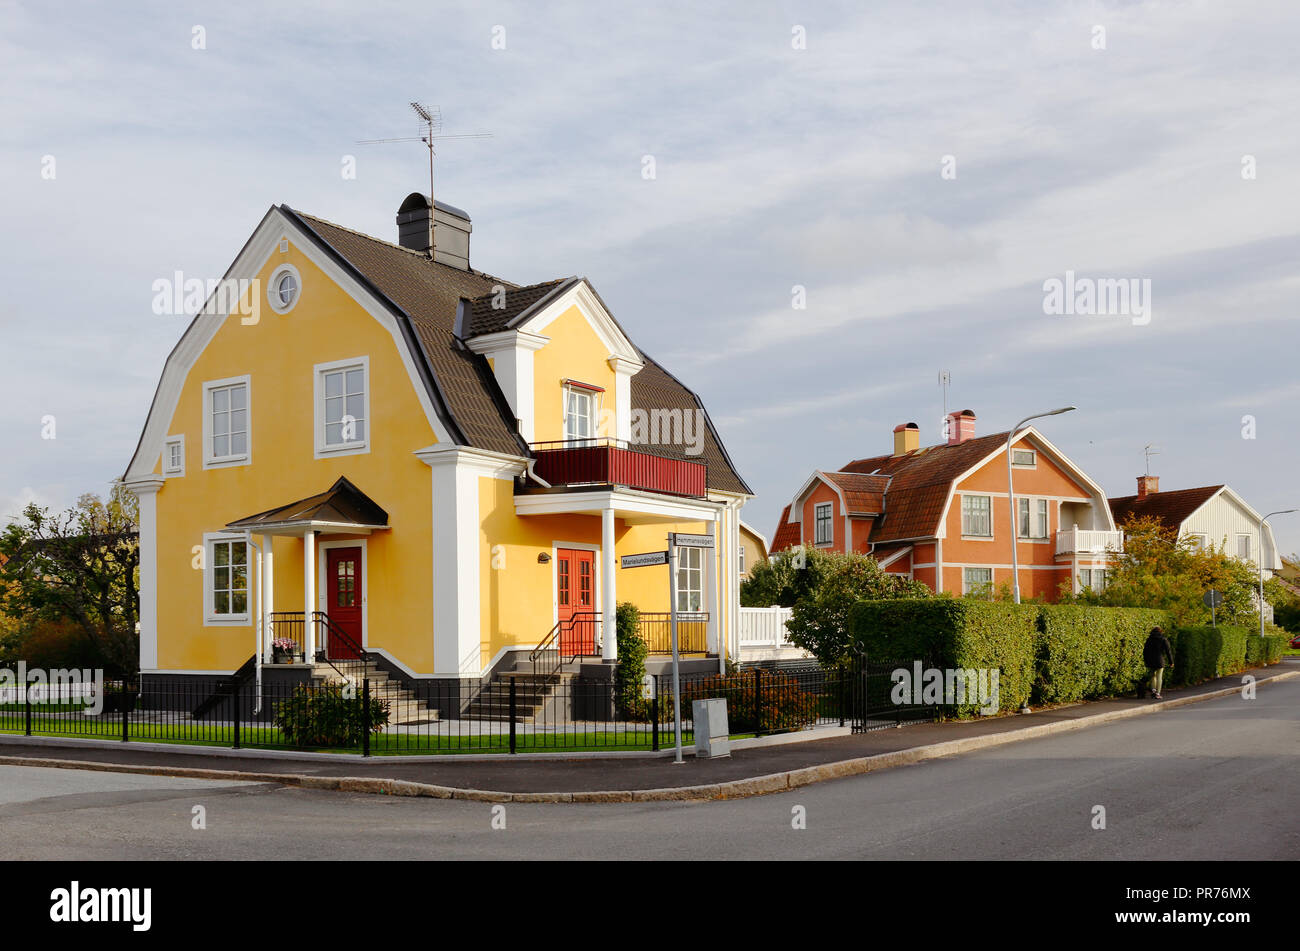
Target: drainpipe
[{"x": 534, "y": 476}]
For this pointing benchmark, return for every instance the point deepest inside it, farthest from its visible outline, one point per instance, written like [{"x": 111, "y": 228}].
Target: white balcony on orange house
[{"x": 1087, "y": 541}]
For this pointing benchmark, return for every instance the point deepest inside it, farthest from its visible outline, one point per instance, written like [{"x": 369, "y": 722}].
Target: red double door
[
  {"x": 575, "y": 592},
  {"x": 343, "y": 586}
]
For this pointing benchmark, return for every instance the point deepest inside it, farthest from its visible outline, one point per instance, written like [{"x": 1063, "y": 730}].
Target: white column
[
  {"x": 711, "y": 588},
  {"x": 146, "y": 491},
  {"x": 457, "y": 552},
  {"x": 268, "y": 595},
  {"x": 309, "y": 594},
  {"x": 733, "y": 572},
  {"x": 608, "y": 589}
]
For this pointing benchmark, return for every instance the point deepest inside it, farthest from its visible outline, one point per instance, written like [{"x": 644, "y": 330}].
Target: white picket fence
[{"x": 764, "y": 627}]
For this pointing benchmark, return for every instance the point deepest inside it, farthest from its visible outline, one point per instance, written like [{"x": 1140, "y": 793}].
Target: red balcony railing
[{"x": 609, "y": 462}]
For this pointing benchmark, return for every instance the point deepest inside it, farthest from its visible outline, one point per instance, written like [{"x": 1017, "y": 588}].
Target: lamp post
[
  {"x": 1011, "y": 494},
  {"x": 1261, "y": 564}
]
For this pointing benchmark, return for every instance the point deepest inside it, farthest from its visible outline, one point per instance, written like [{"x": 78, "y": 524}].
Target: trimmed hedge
[
  {"x": 1205, "y": 652},
  {"x": 1086, "y": 652},
  {"x": 953, "y": 633},
  {"x": 1266, "y": 650}
]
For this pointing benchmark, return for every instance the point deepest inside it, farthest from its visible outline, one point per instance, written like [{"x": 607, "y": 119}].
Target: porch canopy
[{"x": 342, "y": 508}]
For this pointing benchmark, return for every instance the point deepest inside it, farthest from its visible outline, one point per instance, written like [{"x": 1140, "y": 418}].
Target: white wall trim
[
  {"x": 229, "y": 461},
  {"x": 168, "y": 471},
  {"x": 210, "y": 617},
  {"x": 357, "y": 446}
]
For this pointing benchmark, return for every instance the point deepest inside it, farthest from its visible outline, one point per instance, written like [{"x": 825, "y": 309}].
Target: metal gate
[{"x": 874, "y": 700}]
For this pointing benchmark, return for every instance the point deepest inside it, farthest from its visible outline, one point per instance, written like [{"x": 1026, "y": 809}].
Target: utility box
[{"x": 711, "y": 732}]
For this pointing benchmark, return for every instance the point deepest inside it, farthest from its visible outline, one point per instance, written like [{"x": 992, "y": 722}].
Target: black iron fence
[{"x": 511, "y": 713}]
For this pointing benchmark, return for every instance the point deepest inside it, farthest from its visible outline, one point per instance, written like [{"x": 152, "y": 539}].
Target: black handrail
[
  {"x": 227, "y": 687},
  {"x": 554, "y": 641}
]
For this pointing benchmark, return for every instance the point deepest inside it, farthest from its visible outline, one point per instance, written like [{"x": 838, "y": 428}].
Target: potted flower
[{"x": 282, "y": 650}]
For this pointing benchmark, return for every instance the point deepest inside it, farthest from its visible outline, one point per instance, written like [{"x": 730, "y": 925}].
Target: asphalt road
[{"x": 1214, "y": 780}]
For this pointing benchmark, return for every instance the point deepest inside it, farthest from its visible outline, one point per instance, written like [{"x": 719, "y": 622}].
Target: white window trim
[
  {"x": 682, "y": 575},
  {"x": 210, "y": 617},
  {"x": 595, "y": 402},
  {"x": 962, "y": 514},
  {"x": 965, "y": 585},
  {"x": 1250, "y": 547},
  {"x": 272, "y": 288},
  {"x": 830, "y": 523},
  {"x": 357, "y": 446},
  {"x": 741, "y": 568},
  {"x": 224, "y": 462},
  {"x": 1033, "y": 454},
  {"x": 1035, "y": 502},
  {"x": 168, "y": 470}
]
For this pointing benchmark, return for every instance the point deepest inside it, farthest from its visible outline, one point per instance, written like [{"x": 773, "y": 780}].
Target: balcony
[
  {"x": 1082, "y": 541},
  {"x": 611, "y": 462}
]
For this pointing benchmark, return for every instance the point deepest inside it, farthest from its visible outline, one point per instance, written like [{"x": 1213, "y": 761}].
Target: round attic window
[{"x": 283, "y": 289}]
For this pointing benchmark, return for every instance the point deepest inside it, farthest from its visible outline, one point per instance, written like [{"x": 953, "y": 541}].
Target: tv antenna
[
  {"x": 1149, "y": 451},
  {"x": 945, "y": 379},
  {"x": 432, "y": 122}
]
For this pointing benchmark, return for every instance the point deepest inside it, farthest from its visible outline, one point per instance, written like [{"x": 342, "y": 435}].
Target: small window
[
  {"x": 824, "y": 531},
  {"x": 173, "y": 458},
  {"x": 1031, "y": 518},
  {"x": 1201, "y": 542},
  {"x": 1085, "y": 578},
  {"x": 1243, "y": 547},
  {"x": 977, "y": 582},
  {"x": 343, "y": 407},
  {"x": 742, "y": 559},
  {"x": 227, "y": 579},
  {"x": 581, "y": 408},
  {"x": 284, "y": 288},
  {"x": 1024, "y": 457},
  {"x": 690, "y": 579},
  {"x": 226, "y": 427},
  {"x": 976, "y": 511}
]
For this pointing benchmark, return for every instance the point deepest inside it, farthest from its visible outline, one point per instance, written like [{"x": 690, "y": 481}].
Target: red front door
[
  {"x": 343, "y": 583},
  {"x": 575, "y": 591}
]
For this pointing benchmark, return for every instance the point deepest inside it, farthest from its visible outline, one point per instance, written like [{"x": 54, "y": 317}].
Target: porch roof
[{"x": 342, "y": 508}]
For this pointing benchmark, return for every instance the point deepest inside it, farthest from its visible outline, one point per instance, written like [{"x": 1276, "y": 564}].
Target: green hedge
[
  {"x": 953, "y": 633},
  {"x": 1205, "y": 652},
  {"x": 1266, "y": 650},
  {"x": 1086, "y": 652}
]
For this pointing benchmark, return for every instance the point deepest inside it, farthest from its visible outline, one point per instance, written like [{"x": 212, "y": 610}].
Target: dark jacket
[{"x": 1156, "y": 652}]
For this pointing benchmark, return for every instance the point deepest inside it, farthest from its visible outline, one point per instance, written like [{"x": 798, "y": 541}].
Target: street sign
[
  {"x": 646, "y": 558},
  {"x": 1213, "y": 598},
  {"x": 691, "y": 541}
]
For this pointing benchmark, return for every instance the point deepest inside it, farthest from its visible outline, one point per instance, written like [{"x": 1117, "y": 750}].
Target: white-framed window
[
  {"x": 284, "y": 288},
  {"x": 1201, "y": 542},
  {"x": 225, "y": 579},
  {"x": 1099, "y": 579},
  {"x": 742, "y": 559},
  {"x": 1024, "y": 458},
  {"x": 1085, "y": 578},
  {"x": 227, "y": 414},
  {"x": 977, "y": 581},
  {"x": 976, "y": 515},
  {"x": 1031, "y": 518},
  {"x": 173, "y": 456},
  {"x": 690, "y": 579},
  {"x": 342, "y": 414},
  {"x": 581, "y": 411},
  {"x": 1243, "y": 547},
  {"x": 823, "y": 527}
]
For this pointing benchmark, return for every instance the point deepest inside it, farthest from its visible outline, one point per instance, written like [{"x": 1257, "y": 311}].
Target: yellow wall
[
  {"x": 755, "y": 550},
  {"x": 575, "y": 352},
  {"x": 279, "y": 353}
]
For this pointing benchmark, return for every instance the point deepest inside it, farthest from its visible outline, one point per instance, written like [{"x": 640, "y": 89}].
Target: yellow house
[{"x": 365, "y": 445}]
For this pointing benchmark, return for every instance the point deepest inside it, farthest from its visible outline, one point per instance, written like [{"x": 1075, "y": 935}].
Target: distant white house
[{"x": 1212, "y": 515}]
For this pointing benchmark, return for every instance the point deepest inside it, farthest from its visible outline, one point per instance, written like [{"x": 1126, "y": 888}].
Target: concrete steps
[{"x": 404, "y": 708}]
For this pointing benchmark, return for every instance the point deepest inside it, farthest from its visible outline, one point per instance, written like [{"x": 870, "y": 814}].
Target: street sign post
[
  {"x": 643, "y": 560},
  {"x": 690, "y": 541},
  {"x": 677, "y": 674},
  {"x": 1212, "y": 600}
]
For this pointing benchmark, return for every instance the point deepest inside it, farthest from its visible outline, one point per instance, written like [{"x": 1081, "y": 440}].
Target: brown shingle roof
[
  {"x": 919, "y": 484},
  {"x": 487, "y": 317},
  {"x": 1170, "y": 508},
  {"x": 426, "y": 296},
  {"x": 863, "y": 494},
  {"x": 342, "y": 503}
]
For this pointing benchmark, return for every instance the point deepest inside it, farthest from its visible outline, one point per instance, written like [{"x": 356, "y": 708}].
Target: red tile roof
[
  {"x": 787, "y": 532},
  {"x": 863, "y": 494},
  {"x": 1171, "y": 508}
]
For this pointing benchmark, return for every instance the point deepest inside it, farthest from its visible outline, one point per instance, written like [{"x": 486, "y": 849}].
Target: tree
[
  {"x": 79, "y": 566},
  {"x": 834, "y": 583},
  {"x": 785, "y": 579},
  {"x": 1157, "y": 569}
]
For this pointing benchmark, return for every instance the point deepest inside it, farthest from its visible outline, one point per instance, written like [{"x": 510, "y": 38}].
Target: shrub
[
  {"x": 1266, "y": 650},
  {"x": 757, "y": 700},
  {"x": 630, "y": 673},
  {"x": 954, "y": 633},
  {"x": 325, "y": 715},
  {"x": 1085, "y": 652}
]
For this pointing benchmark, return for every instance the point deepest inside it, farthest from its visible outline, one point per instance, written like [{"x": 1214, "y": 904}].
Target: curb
[{"x": 731, "y": 789}]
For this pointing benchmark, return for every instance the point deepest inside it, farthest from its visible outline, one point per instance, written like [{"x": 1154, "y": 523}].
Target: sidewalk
[{"x": 746, "y": 772}]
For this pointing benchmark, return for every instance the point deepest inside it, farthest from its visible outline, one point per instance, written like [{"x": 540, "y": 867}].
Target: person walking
[{"x": 1157, "y": 655}]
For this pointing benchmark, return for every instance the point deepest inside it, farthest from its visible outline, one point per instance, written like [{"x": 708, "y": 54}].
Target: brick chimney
[
  {"x": 1147, "y": 485},
  {"x": 961, "y": 426},
  {"x": 907, "y": 437}
]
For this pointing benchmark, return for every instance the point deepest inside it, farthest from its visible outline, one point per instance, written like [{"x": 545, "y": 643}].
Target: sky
[{"x": 911, "y": 174}]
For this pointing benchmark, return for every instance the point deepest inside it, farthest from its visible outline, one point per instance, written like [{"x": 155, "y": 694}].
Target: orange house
[{"x": 941, "y": 514}]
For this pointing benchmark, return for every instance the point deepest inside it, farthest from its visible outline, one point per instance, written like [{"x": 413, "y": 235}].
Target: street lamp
[
  {"x": 1261, "y": 564},
  {"x": 1011, "y": 494}
]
